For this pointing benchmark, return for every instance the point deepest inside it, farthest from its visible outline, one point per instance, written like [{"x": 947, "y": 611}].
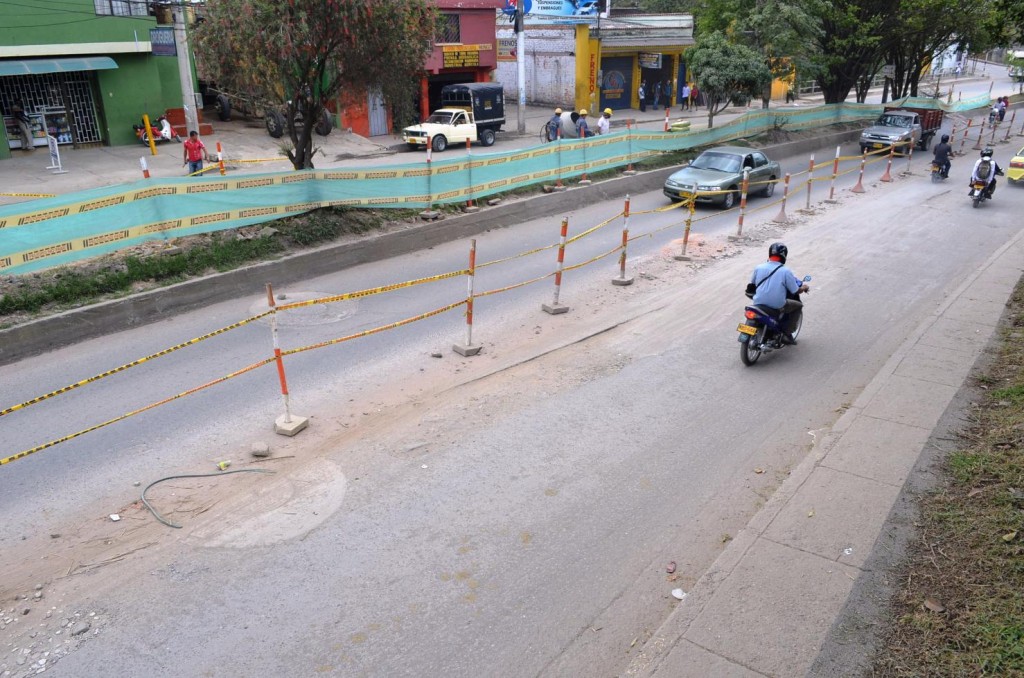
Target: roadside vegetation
[{"x": 960, "y": 608}]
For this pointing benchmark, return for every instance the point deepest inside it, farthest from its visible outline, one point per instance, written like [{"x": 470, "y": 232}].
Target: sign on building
[
  {"x": 648, "y": 60},
  {"x": 564, "y": 8},
  {"x": 506, "y": 49},
  {"x": 162, "y": 40},
  {"x": 462, "y": 56}
]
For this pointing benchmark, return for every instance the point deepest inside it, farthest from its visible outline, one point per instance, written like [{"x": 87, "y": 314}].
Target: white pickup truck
[{"x": 473, "y": 111}]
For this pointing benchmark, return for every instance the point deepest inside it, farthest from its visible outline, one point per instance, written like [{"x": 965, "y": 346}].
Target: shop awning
[{"x": 64, "y": 65}]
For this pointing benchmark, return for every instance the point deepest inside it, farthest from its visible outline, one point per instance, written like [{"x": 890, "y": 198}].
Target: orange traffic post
[
  {"x": 287, "y": 424},
  {"x": 666, "y": 118},
  {"x": 145, "y": 168},
  {"x": 992, "y": 137},
  {"x": 468, "y": 349},
  {"x": 781, "y": 217},
  {"x": 910, "y": 154},
  {"x": 629, "y": 148},
  {"x": 835, "y": 173},
  {"x": 584, "y": 180},
  {"x": 810, "y": 181},
  {"x": 963, "y": 140},
  {"x": 622, "y": 280},
  {"x": 981, "y": 133},
  {"x": 470, "y": 207},
  {"x": 744, "y": 185},
  {"x": 220, "y": 159},
  {"x": 683, "y": 256},
  {"x": 859, "y": 187},
  {"x": 429, "y": 214},
  {"x": 887, "y": 176},
  {"x": 556, "y": 307},
  {"x": 1009, "y": 127}
]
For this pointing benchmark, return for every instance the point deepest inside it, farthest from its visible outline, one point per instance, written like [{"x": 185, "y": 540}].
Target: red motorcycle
[{"x": 161, "y": 130}]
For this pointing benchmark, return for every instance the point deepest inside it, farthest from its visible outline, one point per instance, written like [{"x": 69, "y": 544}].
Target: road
[{"x": 511, "y": 513}]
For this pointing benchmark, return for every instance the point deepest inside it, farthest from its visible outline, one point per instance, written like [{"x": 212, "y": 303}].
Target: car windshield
[
  {"x": 720, "y": 162},
  {"x": 440, "y": 118},
  {"x": 894, "y": 121}
]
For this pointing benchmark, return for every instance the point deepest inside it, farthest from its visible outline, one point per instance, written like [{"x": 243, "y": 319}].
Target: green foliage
[
  {"x": 303, "y": 53},
  {"x": 724, "y": 71}
]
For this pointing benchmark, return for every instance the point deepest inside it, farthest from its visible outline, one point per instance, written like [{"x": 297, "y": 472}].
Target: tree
[
  {"x": 849, "y": 43},
  {"x": 782, "y": 31},
  {"x": 300, "y": 54},
  {"x": 725, "y": 71}
]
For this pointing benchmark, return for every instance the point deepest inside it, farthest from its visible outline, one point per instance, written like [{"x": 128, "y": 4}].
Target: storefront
[{"x": 58, "y": 96}]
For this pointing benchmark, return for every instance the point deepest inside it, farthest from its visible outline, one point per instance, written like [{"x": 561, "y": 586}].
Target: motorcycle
[
  {"x": 979, "y": 192},
  {"x": 162, "y": 131},
  {"x": 762, "y": 333},
  {"x": 938, "y": 172}
]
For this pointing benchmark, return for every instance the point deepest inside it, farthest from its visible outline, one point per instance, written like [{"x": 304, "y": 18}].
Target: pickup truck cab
[
  {"x": 901, "y": 127},
  {"x": 473, "y": 111}
]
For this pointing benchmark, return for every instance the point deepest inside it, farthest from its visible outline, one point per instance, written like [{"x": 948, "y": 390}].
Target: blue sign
[{"x": 162, "y": 41}]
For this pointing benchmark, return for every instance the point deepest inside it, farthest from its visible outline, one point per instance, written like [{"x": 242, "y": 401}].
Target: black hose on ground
[{"x": 168, "y": 523}]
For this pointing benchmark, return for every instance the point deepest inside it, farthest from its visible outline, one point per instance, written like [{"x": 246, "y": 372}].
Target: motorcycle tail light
[{"x": 750, "y": 315}]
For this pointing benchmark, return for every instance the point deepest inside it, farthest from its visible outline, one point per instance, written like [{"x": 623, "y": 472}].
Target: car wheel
[
  {"x": 729, "y": 201},
  {"x": 439, "y": 143},
  {"x": 487, "y": 137},
  {"x": 769, "y": 188},
  {"x": 223, "y": 106},
  {"x": 275, "y": 123},
  {"x": 325, "y": 124}
]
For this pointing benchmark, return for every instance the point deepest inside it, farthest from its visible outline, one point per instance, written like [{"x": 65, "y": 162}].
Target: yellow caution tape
[
  {"x": 25, "y": 453},
  {"x": 512, "y": 287},
  {"x": 592, "y": 259},
  {"x": 375, "y": 330},
  {"x": 29, "y": 195},
  {"x": 122, "y": 368},
  {"x": 372, "y": 290}
]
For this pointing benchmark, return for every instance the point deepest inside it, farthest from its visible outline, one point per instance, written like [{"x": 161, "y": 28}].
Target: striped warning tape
[
  {"x": 371, "y": 291},
  {"x": 593, "y": 259},
  {"x": 375, "y": 330},
  {"x": 29, "y": 195},
  {"x": 38, "y": 448},
  {"x": 122, "y": 368},
  {"x": 513, "y": 286},
  {"x": 592, "y": 229}
]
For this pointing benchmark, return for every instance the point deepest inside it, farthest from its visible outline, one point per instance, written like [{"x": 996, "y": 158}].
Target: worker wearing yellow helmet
[
  {"x": 554, "y": 126},
  {"x": 582, "y": 126},
  {"x": 604, "y": 123}
]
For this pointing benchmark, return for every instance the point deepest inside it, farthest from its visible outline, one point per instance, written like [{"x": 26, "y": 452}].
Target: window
[
  {"x": 447, "y": 30},
  {"x": 121, "y": 7}
]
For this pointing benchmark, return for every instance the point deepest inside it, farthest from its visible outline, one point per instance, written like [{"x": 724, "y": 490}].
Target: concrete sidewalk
[{"x": 767, "y": 604}]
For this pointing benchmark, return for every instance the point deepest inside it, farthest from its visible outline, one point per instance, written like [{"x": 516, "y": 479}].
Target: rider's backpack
[{"x": 984, "y": 170}]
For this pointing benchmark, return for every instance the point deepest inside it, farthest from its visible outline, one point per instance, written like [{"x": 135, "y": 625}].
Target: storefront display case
[{"x": 52, "y": 121}]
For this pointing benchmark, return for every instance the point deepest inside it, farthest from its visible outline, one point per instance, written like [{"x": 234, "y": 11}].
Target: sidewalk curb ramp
[{"x": 76, "y": 325}]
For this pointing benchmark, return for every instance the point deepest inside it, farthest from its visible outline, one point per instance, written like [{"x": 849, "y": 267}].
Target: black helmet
[
  {"x": 987, "y": 151},
  {"x": 945, "y": 138},
  {"x": 779, "y": 250}
]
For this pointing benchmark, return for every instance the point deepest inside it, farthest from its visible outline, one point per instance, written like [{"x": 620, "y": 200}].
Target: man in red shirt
[{"x": 195, "y": 153}]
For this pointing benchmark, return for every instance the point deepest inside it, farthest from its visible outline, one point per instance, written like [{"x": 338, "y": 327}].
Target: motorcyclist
[
  {"x": 776, "y": 290},
  {"x": 554, "y": 124},
  {"x": 979, "y": 174},
  {"x": 942, "y": 152}
]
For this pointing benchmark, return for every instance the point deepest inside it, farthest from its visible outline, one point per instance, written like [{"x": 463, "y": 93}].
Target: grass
[{"x": 968, "y": 563}]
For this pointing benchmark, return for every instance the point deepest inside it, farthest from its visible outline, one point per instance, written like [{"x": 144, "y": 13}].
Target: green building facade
[{"x": 84, "y": 70}]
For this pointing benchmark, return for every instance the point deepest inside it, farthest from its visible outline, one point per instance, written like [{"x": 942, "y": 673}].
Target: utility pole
[
  {"x": 188, "y": 94},
  {"x": 521, "y": 65}
]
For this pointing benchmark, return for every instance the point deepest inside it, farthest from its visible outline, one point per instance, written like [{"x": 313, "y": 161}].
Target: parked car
[
  {"x": 1015, "y": 172},
  {"x": 716, "y": 176}
]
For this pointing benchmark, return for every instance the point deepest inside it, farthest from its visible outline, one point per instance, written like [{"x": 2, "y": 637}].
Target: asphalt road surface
[{"x": 507, "y": 514}]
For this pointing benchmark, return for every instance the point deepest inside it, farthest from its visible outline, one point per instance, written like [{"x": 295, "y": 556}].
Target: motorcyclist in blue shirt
[{"x": 776, "y": 290}]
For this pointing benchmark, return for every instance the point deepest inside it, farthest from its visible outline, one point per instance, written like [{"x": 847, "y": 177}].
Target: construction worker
[
  {"x": 554, "y": 125},
  {"x": 582, "y": 127},
  {"x": 604, "y": 123}
]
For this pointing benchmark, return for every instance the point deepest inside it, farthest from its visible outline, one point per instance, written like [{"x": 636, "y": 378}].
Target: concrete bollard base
[
  {"x": 554, "y": 309},
  {"x": 629, "y": 173},
  {"x": 430, "y": 215},
  {"x": 736, "y": 238},
  {"x": 466, "y": 349},
  {"x": 470, "y": 209},
  {"x": 682, "y": 257},
  {"x": 290, "y": 428},
  {"x": 584, "y": 182},
  {"x": 622, "y": 282}
]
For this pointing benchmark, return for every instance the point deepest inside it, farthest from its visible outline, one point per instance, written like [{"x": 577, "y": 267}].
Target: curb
[{"x": 107, "y": 317}]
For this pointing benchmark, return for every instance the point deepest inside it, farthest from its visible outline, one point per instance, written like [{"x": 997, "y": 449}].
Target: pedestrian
[
  {"x": 684, "y": 97},
  {"x": 666, "y": 91},
  {"x": 657, "y": 95},
  {"x": 604, "y": 123},
  {"x": 195, "y": 153},
  {"x": 555, "y": 125},
  {"x": 695, "y": 95},
  {"x": 24, "y": 125},
  {"x": 1002, "y": 107},
  {"x": 582, "y": 128},
  {"x": 642, "y": 93}
]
